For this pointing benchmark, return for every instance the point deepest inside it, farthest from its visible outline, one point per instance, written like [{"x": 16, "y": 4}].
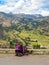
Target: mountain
[
  {"x": 35, "y": 19},
  {"x": 27, "y": 25}
]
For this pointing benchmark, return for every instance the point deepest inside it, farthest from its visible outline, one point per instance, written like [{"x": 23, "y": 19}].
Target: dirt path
[{"x": 6, "y": 59}]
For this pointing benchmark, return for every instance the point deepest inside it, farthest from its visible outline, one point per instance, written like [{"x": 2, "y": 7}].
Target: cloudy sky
[{"x": 25, "y": 6}]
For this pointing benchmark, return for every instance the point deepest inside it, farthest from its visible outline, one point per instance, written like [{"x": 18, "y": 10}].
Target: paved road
[{"x": 25, "y": 60}]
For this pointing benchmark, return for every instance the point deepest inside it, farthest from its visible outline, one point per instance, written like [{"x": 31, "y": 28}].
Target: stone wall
[
  {"x": 33, "y": 51},
  {"x": 7, "y": 51},
  {"x": 40, "y": 51}
]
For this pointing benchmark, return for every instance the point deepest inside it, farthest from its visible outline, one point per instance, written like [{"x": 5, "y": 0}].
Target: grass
[{"x": 41, "y": 39}]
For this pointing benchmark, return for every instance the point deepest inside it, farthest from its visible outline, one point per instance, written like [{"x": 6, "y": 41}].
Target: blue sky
[{"x": 25, "y": 6}]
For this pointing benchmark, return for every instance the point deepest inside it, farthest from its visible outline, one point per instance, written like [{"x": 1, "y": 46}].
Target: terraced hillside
[{"x": 24, "y": 28}]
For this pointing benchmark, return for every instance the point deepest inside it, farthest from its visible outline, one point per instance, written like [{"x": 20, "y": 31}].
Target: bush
[
  {"x": 43, "y": 48},
  {"x": 3, "y": 46},
  {"x": 37, "y": 46},
  {"x": 12, "y": 45}
]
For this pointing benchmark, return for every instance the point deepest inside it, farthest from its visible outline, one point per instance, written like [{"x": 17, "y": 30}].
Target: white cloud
[
  {"x": 45, "y": 13},
  {"x": 26, "y": 6}
]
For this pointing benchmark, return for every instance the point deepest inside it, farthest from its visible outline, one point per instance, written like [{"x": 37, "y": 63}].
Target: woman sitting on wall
[{"x": 21, "y": 50}]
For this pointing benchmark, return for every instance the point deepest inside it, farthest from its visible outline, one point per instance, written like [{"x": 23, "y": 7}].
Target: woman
[{"x": 17, "y": 49}]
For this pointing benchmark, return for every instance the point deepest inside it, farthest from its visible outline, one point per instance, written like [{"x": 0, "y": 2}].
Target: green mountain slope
[{"x": 24, "y": 28}]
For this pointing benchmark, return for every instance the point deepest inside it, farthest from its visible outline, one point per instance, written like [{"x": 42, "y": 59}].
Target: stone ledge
[{"x": 34, "y": 51}]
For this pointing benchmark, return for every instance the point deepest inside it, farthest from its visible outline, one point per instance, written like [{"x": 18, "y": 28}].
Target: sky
[{"x": 25, "y": 6}]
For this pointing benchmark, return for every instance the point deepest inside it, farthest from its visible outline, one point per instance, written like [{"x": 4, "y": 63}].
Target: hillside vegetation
[{"x": 24, "y": 28}]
